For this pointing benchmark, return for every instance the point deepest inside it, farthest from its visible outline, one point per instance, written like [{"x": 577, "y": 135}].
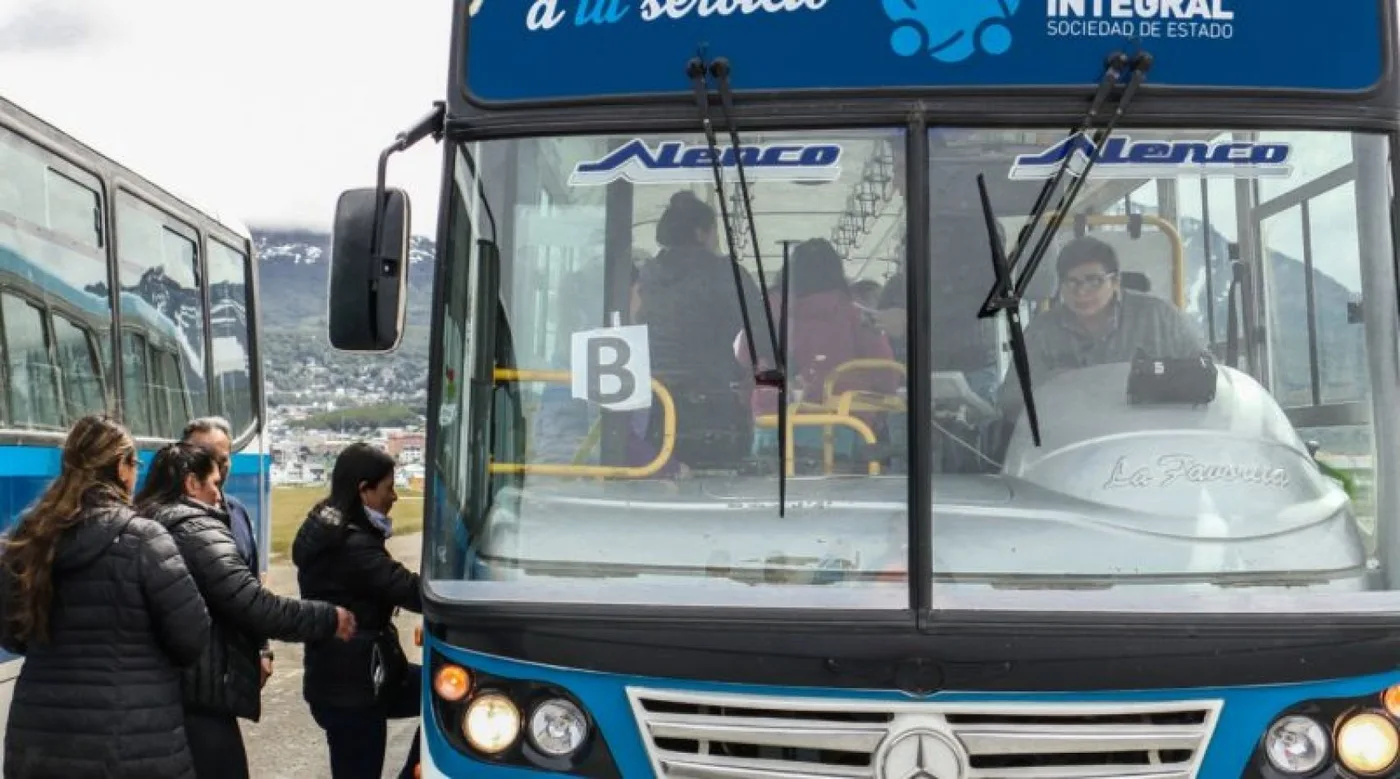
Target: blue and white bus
[
  {"x": 1158, "y": 565},
  {"x": 117, "y": 296}
]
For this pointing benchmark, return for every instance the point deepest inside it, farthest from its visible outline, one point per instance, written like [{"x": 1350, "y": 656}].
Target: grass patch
[{"x": 290, "y": 505}]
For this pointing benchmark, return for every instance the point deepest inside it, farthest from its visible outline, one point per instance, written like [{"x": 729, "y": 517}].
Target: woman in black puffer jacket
[
  {"x": 99, "y": 603},
  {"x": 181, "y": 492},
  {"x": 341, "y": 557}
]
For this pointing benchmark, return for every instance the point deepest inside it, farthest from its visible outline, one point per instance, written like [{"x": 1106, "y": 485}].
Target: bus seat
[{"x": 1137, "y": 281}]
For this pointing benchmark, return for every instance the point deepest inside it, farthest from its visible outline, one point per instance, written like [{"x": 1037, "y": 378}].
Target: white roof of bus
[{"x": 33, "y": 121}]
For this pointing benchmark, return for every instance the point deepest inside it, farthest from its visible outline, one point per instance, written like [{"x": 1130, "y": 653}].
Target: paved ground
[{"x": 286, "y": 744}]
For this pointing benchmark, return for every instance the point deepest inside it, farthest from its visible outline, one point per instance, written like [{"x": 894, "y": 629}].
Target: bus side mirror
[{"x": 369, "y": 282}]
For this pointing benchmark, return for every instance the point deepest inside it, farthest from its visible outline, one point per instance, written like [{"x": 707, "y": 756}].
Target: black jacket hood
[
  {"x": 87, "y": 540},
  {"x": 173, "y": 515}
]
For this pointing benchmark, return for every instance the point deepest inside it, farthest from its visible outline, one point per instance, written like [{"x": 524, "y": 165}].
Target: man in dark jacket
[{"x": 216, "y": 435}]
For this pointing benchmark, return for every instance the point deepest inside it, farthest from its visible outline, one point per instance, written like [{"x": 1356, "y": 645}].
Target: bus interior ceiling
[{"x": 863, "y": 212}]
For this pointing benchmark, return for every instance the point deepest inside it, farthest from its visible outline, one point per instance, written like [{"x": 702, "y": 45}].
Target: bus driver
[{"x": 1098, "y": 321}]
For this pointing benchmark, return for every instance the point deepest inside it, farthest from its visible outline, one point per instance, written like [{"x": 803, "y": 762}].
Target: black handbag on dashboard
[{"x": 1188, "y": 380}]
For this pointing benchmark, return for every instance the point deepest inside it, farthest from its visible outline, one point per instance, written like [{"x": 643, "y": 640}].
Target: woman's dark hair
[
  {"x": 358, "y": 464},
  {"x": 165, "y": 478},
  {"x": 89, "y": 475},
  {"x": 817, "y": 267},
  {"x": 682, "y": 221}
]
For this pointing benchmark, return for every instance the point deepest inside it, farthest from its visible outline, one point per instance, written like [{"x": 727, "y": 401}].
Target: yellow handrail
[
  {"x": 668, "y": 434},
  {"x": 820, "y": 420},
  {"x": 859, "y": 401},
  {"x": 855, "y": 401},
  {"x": 843, "y": 406},
  {"x": 861, "y": 364}
]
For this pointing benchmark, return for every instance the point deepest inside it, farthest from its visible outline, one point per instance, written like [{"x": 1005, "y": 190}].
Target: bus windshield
[{"x": 1202, "y": 360}]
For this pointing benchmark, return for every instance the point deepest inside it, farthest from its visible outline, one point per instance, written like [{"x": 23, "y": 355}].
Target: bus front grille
[{"x": 718, "y": 736}]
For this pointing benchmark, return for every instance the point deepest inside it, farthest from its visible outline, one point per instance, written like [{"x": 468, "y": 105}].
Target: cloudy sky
[{"x": 264, "y": 109}]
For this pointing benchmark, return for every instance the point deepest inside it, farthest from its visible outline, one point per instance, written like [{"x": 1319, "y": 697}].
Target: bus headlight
[
  {"x": 1391, "y": 700},
  {"x": 492, "y": 723},
  {"x": 1296, "y": 745},
  {"x": 452, "y": 683},
  {"x": 1367, "y": 743},
  {"x": 558, "y": 728}
]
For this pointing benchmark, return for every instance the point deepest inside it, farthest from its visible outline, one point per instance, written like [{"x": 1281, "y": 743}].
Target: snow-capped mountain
[{"x": 293, "y": 274}]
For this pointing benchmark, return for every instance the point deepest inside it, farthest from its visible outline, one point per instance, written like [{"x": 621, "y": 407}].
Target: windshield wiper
[
  {"x": 1007, "y": 293},
  {"x": 775, "y": 377},
  {"x": 1141, "y": 63},
  {"x": 1113, "y": 71},
  {"x": 1005, "y": 299}
]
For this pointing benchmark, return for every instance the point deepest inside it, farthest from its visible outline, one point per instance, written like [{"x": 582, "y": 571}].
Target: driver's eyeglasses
[{"x": 1091, "y": 282}]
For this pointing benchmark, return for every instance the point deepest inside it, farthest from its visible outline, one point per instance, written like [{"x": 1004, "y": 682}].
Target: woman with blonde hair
[{"x": 101, "y": 606}]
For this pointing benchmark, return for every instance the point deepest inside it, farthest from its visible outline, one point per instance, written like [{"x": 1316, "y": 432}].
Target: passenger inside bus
[
  {"x": 892, "y": 317},
  {"x": 825, "y": 330},
  {"x": 866, "y": 293},
  {"x": 689, "y": 305}
]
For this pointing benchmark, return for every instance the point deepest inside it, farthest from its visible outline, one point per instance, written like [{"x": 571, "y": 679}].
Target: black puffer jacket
[
  {"x": 226, "y": 680},
  {"x": 101, "y": 698},
  {"x": 343, "y": 560}
]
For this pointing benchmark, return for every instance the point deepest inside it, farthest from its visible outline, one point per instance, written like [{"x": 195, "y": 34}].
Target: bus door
[{"x": 1308, "y": 247}]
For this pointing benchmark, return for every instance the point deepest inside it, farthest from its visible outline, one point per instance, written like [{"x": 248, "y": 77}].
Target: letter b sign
[{"x": 612, "y": 367}]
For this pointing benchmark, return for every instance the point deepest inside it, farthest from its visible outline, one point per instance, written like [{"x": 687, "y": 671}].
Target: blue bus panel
[
  {"x": 26, "y": 470},
  {"x": 545, "y": 50}
]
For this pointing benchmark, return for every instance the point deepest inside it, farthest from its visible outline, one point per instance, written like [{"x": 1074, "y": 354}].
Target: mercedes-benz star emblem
[{"x": 919, "y": 753}]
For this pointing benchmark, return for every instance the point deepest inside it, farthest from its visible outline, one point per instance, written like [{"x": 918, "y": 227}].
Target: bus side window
[
  {"x": 22, "y": 186},
  {"x": 230, "y": 318},
  {"x": 76, "y": 348},
  {"x": 136, "y": 385},
  {"x": 168, "y": 391},
  {"x": 75, "y": 211},
  {"x": 33, "y": 378},
  {"x": 161, "y": 276},
  {"x": 52, "y": 239},
  {"x": 182, "y": 259}
]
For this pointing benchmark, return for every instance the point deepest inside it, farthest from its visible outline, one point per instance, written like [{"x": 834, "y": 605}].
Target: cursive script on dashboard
[
  {"x": 548, "y": 14},
  {"x": 1170, "y": 469}
]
